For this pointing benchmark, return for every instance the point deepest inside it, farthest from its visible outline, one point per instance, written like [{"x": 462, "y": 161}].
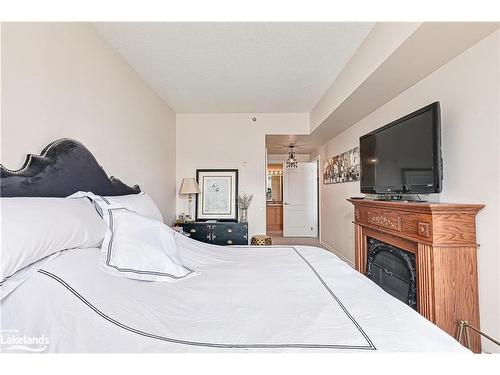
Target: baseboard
[{"x": 341, "y": 256}]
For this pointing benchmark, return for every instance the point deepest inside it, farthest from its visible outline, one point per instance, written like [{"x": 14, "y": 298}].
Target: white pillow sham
[
  {"x": 137, "y": 246},
  {"x": 35, "y": 228},
  {"x": 140, "y": 203}
]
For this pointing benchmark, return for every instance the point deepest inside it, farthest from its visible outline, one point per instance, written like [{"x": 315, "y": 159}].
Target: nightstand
[{"x": 219, "y": 233}]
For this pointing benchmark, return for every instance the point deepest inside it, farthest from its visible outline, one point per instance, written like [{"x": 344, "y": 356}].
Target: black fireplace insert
[{"x": 393, "y": 269}]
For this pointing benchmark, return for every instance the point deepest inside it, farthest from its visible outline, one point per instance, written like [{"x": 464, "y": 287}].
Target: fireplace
[
  {"x": 393, "y": 269},
  {"x": 424, "y": 254}
]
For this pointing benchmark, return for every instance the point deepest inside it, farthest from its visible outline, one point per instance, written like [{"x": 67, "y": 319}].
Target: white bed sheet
[{"x": 244, "y": 299}]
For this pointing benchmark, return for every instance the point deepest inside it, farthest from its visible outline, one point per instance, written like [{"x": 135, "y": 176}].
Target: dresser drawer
[
  {"x": 218, "y": 233},
  {"x": 231, "y": 240},
  {"x": 198, "y": 231},
  {"x": 230, "y": 229}
]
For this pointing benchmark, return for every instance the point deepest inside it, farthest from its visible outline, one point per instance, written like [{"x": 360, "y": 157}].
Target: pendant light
[{"x": 291, "y": 162}]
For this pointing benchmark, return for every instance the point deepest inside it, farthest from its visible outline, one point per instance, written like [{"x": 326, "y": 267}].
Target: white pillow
[
  {"x": 137, "y": 246},
  {"x": 35, "y": 228},
  {"x": 140, "y": 203}
]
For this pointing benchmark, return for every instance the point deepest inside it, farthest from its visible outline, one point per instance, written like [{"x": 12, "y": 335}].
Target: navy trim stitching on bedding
[
  {"x": 234, "y": 346},
  {"x": 110, "y": 248},
  {"x": 98, "y": 209},
  {"x": 131, "y": 270},
  {"x": 336, "y": 298},
  {"x": 36, "y": 261},
  {"x": 104, "y": 199}
]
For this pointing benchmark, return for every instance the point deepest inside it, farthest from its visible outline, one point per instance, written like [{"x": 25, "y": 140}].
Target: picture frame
[
  {"x": 345, "y": 167},
  {"x": 219, "y": 193}
]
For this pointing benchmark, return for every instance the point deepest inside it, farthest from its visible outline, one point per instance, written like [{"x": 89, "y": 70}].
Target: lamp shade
[{"x": 189, "y": 186}]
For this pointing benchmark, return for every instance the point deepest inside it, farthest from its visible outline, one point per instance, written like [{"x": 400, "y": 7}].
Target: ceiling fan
[{"x": 287, "y": 146}]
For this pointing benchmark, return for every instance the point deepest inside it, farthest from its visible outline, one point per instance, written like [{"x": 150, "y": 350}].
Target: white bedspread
[{"x": 244, "y": 299}]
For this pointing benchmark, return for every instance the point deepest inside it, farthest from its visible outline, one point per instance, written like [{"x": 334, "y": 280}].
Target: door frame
[{"x": 317, "y": 159}]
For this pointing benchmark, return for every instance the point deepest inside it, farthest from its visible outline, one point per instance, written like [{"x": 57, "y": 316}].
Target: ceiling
[
  {"x": 428, "y": 48},
  {"x": 237, "y": 67},
  {"x": 279, "y": 144}
]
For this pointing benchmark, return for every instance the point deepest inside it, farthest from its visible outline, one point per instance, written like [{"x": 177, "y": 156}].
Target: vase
[{"x": 243, "y": 215}]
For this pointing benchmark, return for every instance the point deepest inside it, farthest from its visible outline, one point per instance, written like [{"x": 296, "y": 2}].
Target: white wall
[
  {"x": 62, "y": 80},
  {"x": 233, "y": 141},
  {"x": 468, "y": 88}
]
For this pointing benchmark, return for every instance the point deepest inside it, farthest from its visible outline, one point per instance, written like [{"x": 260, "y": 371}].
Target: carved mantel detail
[
  {"x": 443, "y": 238},
  {"x": 384, "y": 221}
]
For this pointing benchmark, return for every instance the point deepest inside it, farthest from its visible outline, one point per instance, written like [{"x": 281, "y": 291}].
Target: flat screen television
[{"x": 404, "y": 157}]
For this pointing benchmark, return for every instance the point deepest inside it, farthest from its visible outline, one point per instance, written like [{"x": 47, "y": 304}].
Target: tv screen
[{"x": 404, "y": 157}]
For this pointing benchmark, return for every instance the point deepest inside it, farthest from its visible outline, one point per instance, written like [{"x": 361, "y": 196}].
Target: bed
[{"x": 242, "y": 298}]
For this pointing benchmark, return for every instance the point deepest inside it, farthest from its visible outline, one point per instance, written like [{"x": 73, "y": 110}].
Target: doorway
[
  {"x": 292, "y": 203},
  {"x": 274, "y": 200}
]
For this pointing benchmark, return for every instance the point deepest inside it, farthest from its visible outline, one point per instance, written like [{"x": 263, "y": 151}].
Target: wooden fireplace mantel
[{"x": 443, "y": 238}]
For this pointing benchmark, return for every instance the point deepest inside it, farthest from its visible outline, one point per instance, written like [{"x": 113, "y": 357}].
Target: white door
[{"x": 300, "y": 200}]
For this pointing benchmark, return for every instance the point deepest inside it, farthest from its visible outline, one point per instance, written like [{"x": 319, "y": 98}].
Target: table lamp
[{"x": 189, "y": 187}]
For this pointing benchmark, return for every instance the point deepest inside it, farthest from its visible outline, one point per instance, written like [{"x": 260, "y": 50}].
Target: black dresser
[{"x": 220, "y": 233}]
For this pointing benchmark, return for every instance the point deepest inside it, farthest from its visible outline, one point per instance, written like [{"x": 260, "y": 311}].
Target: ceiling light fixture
[{"x": 291, "y": 162}]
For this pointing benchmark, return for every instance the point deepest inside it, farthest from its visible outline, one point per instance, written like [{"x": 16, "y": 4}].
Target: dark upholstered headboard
[{"x": 62, "y": 168}]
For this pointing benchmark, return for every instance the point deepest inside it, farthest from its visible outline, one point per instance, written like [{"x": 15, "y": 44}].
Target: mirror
[{"x": 274, "y": 182}]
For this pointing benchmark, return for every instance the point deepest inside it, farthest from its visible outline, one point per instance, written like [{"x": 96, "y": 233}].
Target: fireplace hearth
[{"x": 393, "y": 269}]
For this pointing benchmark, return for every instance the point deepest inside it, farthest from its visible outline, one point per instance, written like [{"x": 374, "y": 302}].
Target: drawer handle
[
  {"x": 229, "y": 230},
  {"x": 229, "y": 242},
  {"x": 193, "y": 230},
  {"x": 214, "y": 236},
  {"x": 245, "y": 237},
  {"x": 208, "y": 237}
]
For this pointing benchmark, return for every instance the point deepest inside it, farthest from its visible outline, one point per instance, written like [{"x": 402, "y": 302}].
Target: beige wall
[
  {"x": 382, "y": 41},
  {"x": 468, "y": 88},
  {"x": 233, "y": 141},
  {"x": 62, "y": 80}
]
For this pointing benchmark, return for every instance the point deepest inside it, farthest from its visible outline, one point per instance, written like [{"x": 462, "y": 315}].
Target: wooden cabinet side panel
[
  {"x": 454, "y": 228},
  {"x": 425, "y": 282},
  {"x": 274, "y": 216},
  {"x": 456, "y": 295},
  {"x": 279, "y": 218},
  {"x": 360, "y": 249}
]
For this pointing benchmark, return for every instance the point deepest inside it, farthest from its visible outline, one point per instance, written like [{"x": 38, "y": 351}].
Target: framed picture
[
  {"x": 219, "y": 192},
  {"x": 342, "y": 168}
]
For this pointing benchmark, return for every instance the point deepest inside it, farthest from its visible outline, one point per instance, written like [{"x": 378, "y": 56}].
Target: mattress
[{"x": 257, "y": 299}]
